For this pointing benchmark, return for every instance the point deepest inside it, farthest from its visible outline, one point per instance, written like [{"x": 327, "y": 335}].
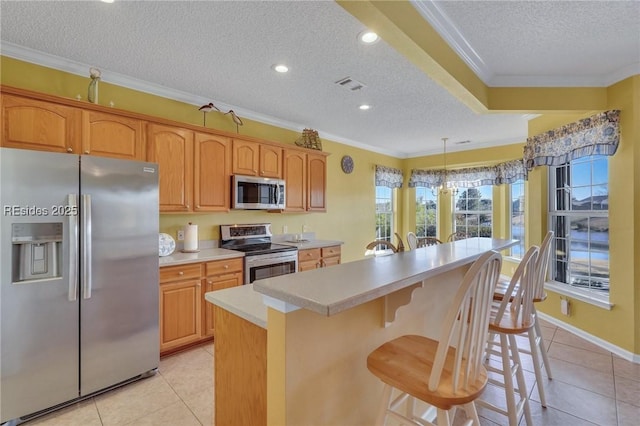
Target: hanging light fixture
[{"x": 445, "y": 186}]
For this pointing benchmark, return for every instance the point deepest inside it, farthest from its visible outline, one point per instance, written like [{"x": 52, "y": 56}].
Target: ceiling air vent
[
  {"x": 350, "y": 84},
  {"x": 462, "y": 142}
]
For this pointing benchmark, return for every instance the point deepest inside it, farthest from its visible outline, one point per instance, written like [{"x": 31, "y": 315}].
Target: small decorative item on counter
[
  {"x": 95, "y": 74},
  {"x": 166, "y": 244},
  {"x": 309, "y": 139},
  {"x": 191, "y": 238}
]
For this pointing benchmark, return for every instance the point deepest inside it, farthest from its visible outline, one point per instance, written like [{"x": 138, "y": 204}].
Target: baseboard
[{"x": 622, "y": 353}]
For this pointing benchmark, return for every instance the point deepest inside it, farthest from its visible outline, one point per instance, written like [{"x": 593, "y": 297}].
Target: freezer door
[
  {"x": 38, "y": 298},
  {"x": 119, "y": 271}
]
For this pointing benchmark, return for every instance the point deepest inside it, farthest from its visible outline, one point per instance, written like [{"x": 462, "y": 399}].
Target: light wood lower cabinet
[
  {"x": 220, "y": 274},
  {"x": 180, "y": 306},
  {"x": 318, "y": 258},
  {"x": 185, "y": 317}
]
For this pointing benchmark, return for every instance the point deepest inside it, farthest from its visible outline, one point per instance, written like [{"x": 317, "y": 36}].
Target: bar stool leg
[
  {"x": 543, "y": 350},
  {"x": 534, "y": 342},
  {"x": 512, "y": 409},
  {"x": 384, "y": 404},
  {"x": 443, "y": 417},
  {"x": 522, "y": 385}
]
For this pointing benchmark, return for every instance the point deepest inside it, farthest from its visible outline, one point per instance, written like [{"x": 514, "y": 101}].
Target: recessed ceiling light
[
  {"x": 107, "y": 1},
  {"x": 280, "y": 68},
  {"x": 364, "y": 107},
  {"x": 368, "y": 37}
]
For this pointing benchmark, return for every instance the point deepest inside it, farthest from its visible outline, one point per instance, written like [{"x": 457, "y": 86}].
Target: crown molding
[{"x": 441, "y": 22}]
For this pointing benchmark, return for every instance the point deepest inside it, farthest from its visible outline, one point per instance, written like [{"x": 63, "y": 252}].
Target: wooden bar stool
[
  {"x": 537, "y": 349},
  {"x": 512, "y": 316},
  {"x": 443, "y": 373}
]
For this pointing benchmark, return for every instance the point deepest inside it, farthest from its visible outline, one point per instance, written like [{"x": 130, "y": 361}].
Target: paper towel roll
[{"x": 191, "y": 237}]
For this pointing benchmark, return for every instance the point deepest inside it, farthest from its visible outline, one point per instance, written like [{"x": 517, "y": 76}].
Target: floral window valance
[
  {"x": 389, "y": 177},
  {"x": 507, "y": 172},
  {"x": 596, "y": 135}
]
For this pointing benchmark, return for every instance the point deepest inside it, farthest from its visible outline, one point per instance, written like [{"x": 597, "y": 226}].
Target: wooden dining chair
[
  {"x": 377, "y": 245},
  {"x": 511, "y": 316},
  {"x": 400, "y": 245},
  {"x": 537, "y": 349},
  {"x": 428, "y": 241},
  {"x": 443, "y": 373},
  {"x": 455, "y": 236}
]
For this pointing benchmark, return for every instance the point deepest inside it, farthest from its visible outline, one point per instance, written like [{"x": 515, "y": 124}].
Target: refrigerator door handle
[
  {"x": 72, "y": 202},
  {"x": 86, "y": 246}
]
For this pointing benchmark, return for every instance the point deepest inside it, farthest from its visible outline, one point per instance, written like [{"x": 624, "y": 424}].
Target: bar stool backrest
[
  {"x": 520, "y": 293},
  {"x": 465, "y": 327},
  {"x": 543, "y": 265}
]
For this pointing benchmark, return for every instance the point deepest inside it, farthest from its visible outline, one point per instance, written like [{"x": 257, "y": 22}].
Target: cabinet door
[
  {"x": 246, "y": 157},
  {"x": 109, "y": 135},
  {"x": 330, "y": 261},
  {"x": 270, "y": 161},
  {"x": 180, "y": 313},
  {"x": 295, "y": 176},
  {"x": 308, "y": 259},
  {"x": 172, "y": 149},
  {"x": 39, "y": 125},
  {"x": 317, "y": 182},
  {"x": 212, "y": 173},
  {"x": 213, "y": 284}
]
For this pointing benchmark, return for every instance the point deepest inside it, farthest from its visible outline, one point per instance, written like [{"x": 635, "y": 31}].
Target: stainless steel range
[{"x": 262, "y": 259}]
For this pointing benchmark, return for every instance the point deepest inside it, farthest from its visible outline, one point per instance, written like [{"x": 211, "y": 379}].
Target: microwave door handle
[
  {"x": 277, "y": 194},
  {"x": 72, "y": 202}
]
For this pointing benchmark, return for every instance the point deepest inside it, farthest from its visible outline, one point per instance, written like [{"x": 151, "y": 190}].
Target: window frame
[
  {"x": 521, "y": 245},
  {"x": 472, "y": 212},
  {"x": 561, "y": 193},
  {"x": 390, "y": 213},
  {"x": 426, "y": 192}
]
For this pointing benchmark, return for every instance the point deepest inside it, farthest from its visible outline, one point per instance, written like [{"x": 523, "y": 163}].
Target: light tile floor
[{"x": 590, "y": 386}]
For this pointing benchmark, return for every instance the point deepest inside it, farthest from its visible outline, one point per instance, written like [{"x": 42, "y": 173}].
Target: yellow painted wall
[{"x": 350, "y": 213}]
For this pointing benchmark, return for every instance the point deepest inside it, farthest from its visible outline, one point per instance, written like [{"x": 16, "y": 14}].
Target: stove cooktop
[{"x": 262, "y": 248}]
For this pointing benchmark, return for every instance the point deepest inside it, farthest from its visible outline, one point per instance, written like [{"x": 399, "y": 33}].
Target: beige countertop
[
  {"x": 204, "y": 255},
  {"x": 329, "y": 291},
  {"x": 311, "y": 244},
  {"x": 242, "y": 301}
]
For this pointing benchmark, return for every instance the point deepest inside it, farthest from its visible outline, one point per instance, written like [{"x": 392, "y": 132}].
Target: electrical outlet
[
  {"x": 305, "y": 228},
  {"x": 565, "y": 307},
  {"x": 285, "y": 229},
  {"x": 181, "y": 235}
]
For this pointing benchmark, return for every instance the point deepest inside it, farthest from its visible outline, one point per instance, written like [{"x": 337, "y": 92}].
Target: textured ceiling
[{"x": 223, "y": 52}]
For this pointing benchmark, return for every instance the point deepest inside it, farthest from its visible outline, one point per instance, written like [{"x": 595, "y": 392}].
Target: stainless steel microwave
[{"x": 256, "y": 193}]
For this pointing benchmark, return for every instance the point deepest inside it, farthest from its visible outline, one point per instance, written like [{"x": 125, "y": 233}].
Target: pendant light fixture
[{"x": 445, "y": 186}]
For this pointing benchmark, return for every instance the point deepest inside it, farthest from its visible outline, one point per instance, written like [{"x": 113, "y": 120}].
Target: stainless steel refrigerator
[{"x": 79, "y": 277}]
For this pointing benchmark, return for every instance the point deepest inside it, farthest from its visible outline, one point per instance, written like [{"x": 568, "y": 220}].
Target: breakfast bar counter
[{"x": 308, "y": 367}]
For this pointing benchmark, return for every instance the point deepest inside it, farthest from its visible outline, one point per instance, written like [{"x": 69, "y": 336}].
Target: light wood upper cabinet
[
  {"x": 110, "y": 135},
  {"x": 172, "y": 149},
  {"x": 212, "y": 172},
  {"x": 33, "y": 124},
  {"x": 256, "y": 159},
  {"x": 270, "y": 161},
  {"x": 246, "y": 157},
  {"x": 316, "y": 183},
  {"x": 295, "y": 176}
]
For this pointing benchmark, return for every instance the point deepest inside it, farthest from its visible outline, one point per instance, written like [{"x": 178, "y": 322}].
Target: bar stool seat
[{"x": 443, "y": 373}]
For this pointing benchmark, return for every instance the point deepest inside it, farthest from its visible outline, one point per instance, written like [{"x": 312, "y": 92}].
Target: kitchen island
[{"x": 320, "y": 327}]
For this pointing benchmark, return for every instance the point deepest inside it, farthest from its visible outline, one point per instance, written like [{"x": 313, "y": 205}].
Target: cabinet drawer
[
  {"x": 226, "y": 266},
  {"x": 331, "y": 251},
  {"x": 180, "y": 272},
  {"x": 308, "y": 254}
]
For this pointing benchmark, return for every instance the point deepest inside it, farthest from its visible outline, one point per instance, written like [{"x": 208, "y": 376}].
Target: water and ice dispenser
[{"x": 37, "y": 251}]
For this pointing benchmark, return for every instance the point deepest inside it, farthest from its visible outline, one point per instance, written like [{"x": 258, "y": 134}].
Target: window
[
  {"x": 517, "y": 218},
  {"x": 473, "y": 213},
  {"x": 384, "y": 213},
  {"x": 579, "y": 216},
  {"x": 426, "y": 212}
]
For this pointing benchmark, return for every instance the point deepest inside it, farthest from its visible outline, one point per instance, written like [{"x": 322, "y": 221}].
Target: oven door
[{"x": 269, "y": 265}]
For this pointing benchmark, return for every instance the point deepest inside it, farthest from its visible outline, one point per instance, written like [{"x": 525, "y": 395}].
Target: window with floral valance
[
  {"x": 595, "y": 135},
  {"x": 507, "y": 172},
  {"x": 389, "y": 177}
]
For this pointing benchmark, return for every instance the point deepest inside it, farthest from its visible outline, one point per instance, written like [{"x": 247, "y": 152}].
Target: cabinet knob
[
  {"x": 209, "y": 282},
  {"x": 198, "y": 206},
  {"x": 187, "y": 205},
  {"x": 86, "y": 152},
  {"x": 69, "y": 150},
  {"x": 180, "y": 273},
  {"x": 226, "y": 266}
]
